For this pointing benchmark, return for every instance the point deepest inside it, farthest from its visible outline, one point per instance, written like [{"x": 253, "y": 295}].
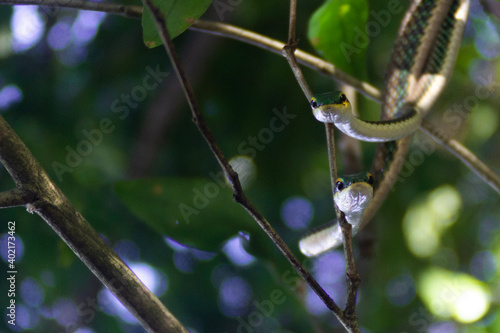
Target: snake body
[
  {"x": 422, "y": 60},
  {"x": 352, "y": 195},
  {"x": 335, "y": 108}
]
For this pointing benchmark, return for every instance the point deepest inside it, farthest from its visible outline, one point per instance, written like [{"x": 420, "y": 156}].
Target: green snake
[
  {"x": 352, "y": 195},
  {"x": 334, "y": 107},
  {"x": 422, "y": 60}
]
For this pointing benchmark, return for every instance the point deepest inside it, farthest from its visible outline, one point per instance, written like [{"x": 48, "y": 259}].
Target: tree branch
[
  {"x": 352, "y": 277},
  {"x": 465, "y": 155},
  {"x": 16, "y": 197},
  {"x": 110, "y": 8},
  {"x": 238, "y": 193},
  {"x": 34, "y": 187}
]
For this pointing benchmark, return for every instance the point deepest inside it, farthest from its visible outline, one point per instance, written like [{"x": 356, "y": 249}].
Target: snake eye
[
  {"x": 314, "y": 104},
  {"x": 339, "y": 186},
  {"x": 371, "y": 181},
  {"x": 342, "y": 98}
]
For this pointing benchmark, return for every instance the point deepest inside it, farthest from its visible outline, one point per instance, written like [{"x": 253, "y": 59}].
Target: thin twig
[
  {"x": 352, "y": 277},
  {"x": 291, "y": 24},
  {"x": 464, "y": 154},
  {"x": 124, "y": 10},
  {"x": 238, "y": 194}
]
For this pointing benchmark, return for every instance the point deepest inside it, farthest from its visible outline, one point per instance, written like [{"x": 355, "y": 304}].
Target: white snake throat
[{"x": 352, "y": 195}]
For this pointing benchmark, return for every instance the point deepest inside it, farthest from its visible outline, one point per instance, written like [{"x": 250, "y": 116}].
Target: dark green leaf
[
  {"x": 196, "y": 212},
  {"x": 337, "y": 32},
  {"x": 179, "y": 15}
]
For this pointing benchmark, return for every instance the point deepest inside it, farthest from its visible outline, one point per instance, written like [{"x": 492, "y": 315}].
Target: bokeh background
[{"x": 429, "y": 261}]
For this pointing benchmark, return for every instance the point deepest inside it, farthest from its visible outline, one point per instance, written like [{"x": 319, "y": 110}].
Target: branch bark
[{"x": 36, "y": 189}]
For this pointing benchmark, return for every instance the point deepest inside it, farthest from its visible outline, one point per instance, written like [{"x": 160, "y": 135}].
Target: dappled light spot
[
  {"x": 113, "y": 307},
  {"x": 400, "y": 290},
  {"x": 483, "y": 123},
  {"x": 480, "y": 72},
  {"x": 32, "y": 292},
  {"x": 471, "y": 305},
  {"x": 236, "y": 253},
  {"x": 428, "y": 218},
  {"x": 10, "y": 95},
  {"x": 234, "y": 296},
  {"x": 86, "y": 26},
  {"x": 246, "y": 169},
  {"x": 483, "y": 266},
  {"x": 442, "y": 327},
  {"x": 445, "y": 203},
  {"x": 19, "y": 246},
  {"x": 489, "y": 227},
  {"x": 297, "y": 213},
  {"x": 65, "y": 311},
  {"x": 127, "y": 251},
  {"x": 27, "y": 28},
  {"x": 26, "y": 317},
  {"x": 152, "y": 278},
  {"x": 59, "y": 36},
  {"x": 486, "y": 41},
  {"x": 329, "y": 271},
  {"x": 329, "y": 267},
  {"x": 453, "y": 295},
  {"x": 184, "y": 261}
]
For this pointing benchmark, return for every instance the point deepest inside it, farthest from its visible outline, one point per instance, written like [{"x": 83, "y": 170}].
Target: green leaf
[
  {"x": 194, "y": 212},
  {"x": 337, "y": 31},
  {"x": 179, "y": 15}
]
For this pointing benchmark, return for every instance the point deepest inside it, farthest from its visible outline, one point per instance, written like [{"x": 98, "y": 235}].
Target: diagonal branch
[
  {"x": 238, "y": 193},
  {"x": 465, "y": 155},
  {"x": 34, "y": 187}
]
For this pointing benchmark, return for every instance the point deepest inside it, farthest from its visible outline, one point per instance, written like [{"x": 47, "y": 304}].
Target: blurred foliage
[
  {"x": 334, "y": 27},
  {"x": 242, "y": 91}
]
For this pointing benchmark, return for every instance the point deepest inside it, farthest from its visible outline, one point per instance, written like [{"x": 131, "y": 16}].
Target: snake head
[
  {"x": 331, "y": 107},
  {"x": 354, "y": 193}
]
